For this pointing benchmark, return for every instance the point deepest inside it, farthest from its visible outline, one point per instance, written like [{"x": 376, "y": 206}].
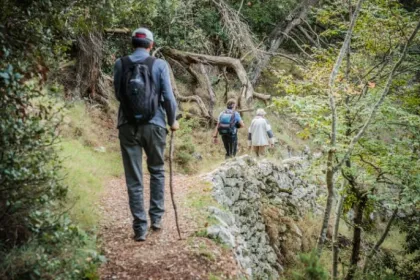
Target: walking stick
[{"x": 171, "y": 180}]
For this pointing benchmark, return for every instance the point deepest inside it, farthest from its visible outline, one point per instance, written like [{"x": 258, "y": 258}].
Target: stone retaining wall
[{"x": 260, "y": 204}]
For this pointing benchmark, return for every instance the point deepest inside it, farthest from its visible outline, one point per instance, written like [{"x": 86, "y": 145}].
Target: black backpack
[{"x": 139, "y": 100}]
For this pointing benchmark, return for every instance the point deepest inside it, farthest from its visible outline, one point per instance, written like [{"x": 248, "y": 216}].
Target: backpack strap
[
  {"x": 232, "y": 119},
  {"x": 125, "y": 62},
  {"x": 149, "y": 61}
]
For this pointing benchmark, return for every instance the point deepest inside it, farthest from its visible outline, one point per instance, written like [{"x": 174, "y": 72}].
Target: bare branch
[
  {"x": 303, "y": 30},
  {"x": 123, "y": 30},
  {"x": 238, "y": 31}
]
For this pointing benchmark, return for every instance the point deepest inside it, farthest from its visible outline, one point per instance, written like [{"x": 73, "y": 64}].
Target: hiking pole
[{"x": 171, "y": 180}]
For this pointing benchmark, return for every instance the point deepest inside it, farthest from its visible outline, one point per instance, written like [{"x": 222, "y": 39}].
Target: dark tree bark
[
  {"x": 335, "y": 238},
  {"x": 359, "y": 208}
]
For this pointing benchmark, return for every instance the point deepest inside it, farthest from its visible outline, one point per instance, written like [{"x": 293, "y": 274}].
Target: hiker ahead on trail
[
  {"x": 143, "y": 88},
  {"x": 260, "y": 134},
  {"x": 227, "y": 126}
]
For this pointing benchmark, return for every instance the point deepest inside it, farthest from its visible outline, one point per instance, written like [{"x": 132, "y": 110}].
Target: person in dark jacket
[{"x": 149, "y": 137}]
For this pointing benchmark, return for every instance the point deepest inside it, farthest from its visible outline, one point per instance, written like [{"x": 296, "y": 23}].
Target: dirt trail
[{"x": 162, "y": 256}]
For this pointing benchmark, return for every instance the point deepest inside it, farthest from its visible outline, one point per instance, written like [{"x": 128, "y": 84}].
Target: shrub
[
  {"x": 184, "y": 146},
  {"x": 310, "y": 268},
  {"x": 36, "y": 240},
  {"x": 28, "y": 162}
]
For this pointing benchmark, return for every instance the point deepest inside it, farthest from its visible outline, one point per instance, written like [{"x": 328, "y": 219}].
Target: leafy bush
[
  {"x": 184, "y": 146},
  {"x": 61, "y": 251},
  {"x": 310, "y": 268},
  {"x": 29, "y": 165},
  {"x": 36, "y": 240}
]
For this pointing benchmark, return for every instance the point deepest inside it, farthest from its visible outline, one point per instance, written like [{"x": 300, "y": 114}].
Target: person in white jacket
[{"x": 260, "y": 134}]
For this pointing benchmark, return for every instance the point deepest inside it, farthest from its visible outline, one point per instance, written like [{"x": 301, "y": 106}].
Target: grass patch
[
  {"x": 86, "y": 173},
  {"x": 198, "y": 201},
  {"x": 90, "y": 156}
]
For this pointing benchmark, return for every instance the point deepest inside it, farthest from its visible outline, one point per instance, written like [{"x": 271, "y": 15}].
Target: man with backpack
[
  {"x": 227, "y": 126},
  {"x": 143, "y": 88}
]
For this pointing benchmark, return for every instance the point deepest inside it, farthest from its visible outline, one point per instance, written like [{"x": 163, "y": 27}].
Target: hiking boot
[
  {"x": 140, "y": 236},
  {"x": 156, "y": 226}
]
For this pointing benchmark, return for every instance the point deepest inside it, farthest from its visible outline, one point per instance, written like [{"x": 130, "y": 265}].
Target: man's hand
[
  {"x": 215, "y": 140},
  {"x": 175, "y": 126}
]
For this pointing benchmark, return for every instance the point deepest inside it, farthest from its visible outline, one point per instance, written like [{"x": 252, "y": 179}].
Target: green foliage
[
  {"x": 184, "y": 146},
  {"x": 385, "y": 162},
  {"x": 36, "y": 240},
  {"x": 29, "y": 164},
  {"x": 310, "y": 268},
  {"x": 61, "y": 251},
  {"x": 262, "y": 15}
]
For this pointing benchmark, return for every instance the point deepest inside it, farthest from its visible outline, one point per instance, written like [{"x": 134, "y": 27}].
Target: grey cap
[{"x": 143, "y": 33}]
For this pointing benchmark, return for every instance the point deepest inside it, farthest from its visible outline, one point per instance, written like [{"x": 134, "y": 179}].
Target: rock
[
  {"x": 246, "y": 188},
  {"x": 197, "y": 156},
  {"x": 272, "y": 258},
  {"x": 223, "y": 217},
  {"x": 100, "y": 149},
  {"x": 218, "y": 231}
]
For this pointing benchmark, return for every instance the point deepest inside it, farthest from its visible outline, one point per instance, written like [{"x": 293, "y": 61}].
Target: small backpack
[
  {"x": 227, "y": 123},
  {"x": 139, "y": 100}
]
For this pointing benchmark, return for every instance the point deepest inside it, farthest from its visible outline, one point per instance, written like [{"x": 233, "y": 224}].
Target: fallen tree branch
[
  {"x": 194, "y": 98},
  {"x": 303, "y": 31},
  {"x": 188, "y": 58},
  {"x": 264, "y": 97},
  {"x": 282, "y": 55},
  {"x": 209, "y": 89},
  {"x": 123, "y": 30}
]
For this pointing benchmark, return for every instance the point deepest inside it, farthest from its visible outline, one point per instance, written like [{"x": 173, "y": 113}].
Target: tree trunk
[
  {"x": 331, "y": 169},
  {"x": 90, "y": 81},
  {"x": 194, "y": 98},
  {"x": 335, "y": 238},
  {"x": 360, "y": 206},
  {"x": 279, "y": 34},
  {"x": 330, "y": 201},
  {"x": 209, "y": 89}
]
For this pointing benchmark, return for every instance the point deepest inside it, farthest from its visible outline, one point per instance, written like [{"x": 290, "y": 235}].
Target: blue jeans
[{"x": 133, "y": 140}]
